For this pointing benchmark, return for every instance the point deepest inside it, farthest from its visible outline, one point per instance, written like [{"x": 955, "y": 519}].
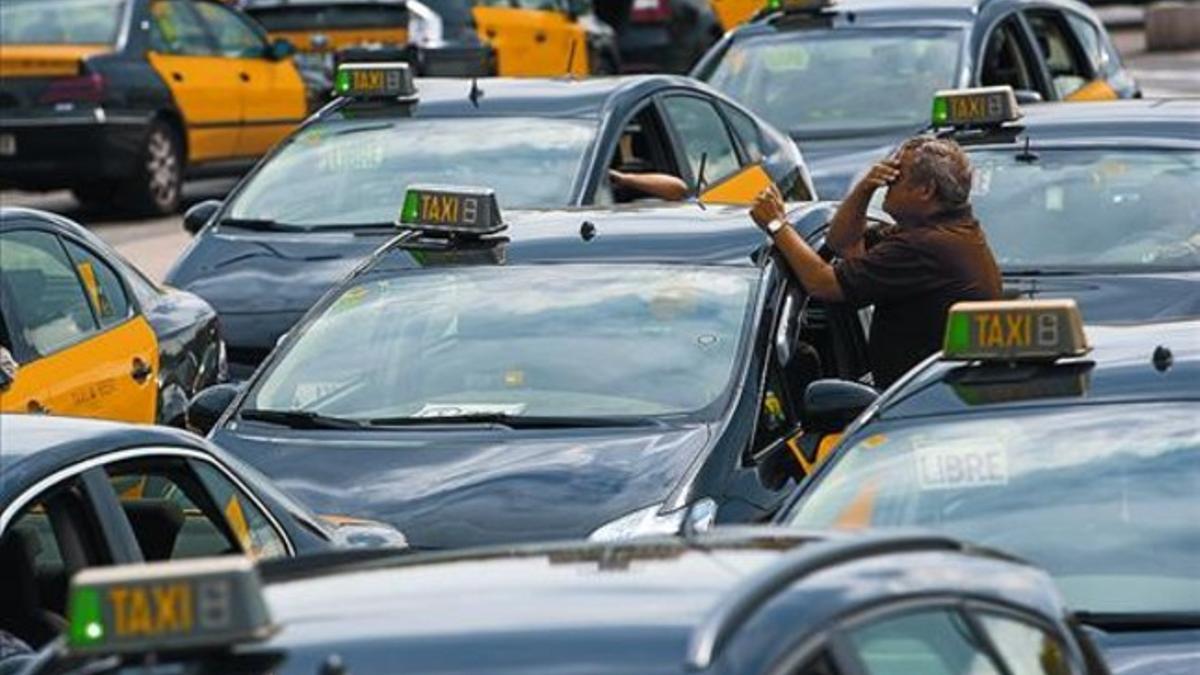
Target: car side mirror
[
  {"x": 1026, "y": 96},
  {"x": 198, "y": 215},
  {"x": 8, "y": 369},
  {"x": 281, "y": 49},
  {"x": 207, "y": 406},
  {"x": 831, "y": 405}
]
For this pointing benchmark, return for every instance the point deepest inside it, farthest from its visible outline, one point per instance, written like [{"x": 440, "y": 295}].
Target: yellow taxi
[
  {"x": 84, "y": 334},
  {"x": 732, "y": 13},
  {"x": 119, "y": 100},
  {"x": 546, "y": 37}
]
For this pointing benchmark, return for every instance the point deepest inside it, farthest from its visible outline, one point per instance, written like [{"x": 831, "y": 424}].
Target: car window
[
  {"x": 251, "y": 526},
  {"x": 48, "y": 305},
  {"x": 103, "y": 286},
  {"x": 235, "y": 37},
  {"x": 747, "y": 131},
  {"x": 1068, "y": 72},
  {"x": 1026, "y": 649},
  {"x": 938, "y": 642},
  {"x": 169, "y": 511},
  {"x": 176, "y": 29},
  {"x": 1089, "y": 40},
  {"x": 60, "y": 22},
  {"x": 1006, "y": 61},
  {"x": 703, "y": 134}
]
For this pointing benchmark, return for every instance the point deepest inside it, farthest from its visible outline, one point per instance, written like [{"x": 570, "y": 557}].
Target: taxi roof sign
[
  {"x": 374, "y": 81},
  {"x": 1014, "y": 330},
  {"x": 798, "y": 5},
  {"x": 456, "y": 210},
  {"x": 167, "y": 606},
  {"x": 981, "y": 106}
]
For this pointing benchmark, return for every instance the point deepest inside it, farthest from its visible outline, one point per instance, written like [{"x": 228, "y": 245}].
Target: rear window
[
  {"x": 60, "y": 22},
  {"x": 310, "y": 16}
]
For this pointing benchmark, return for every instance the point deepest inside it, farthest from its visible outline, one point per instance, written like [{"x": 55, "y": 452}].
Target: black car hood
[
  {"x": 1118, "y": 298},
  {"x": 1166, "y": 652},
  {"x": 454, "y": 488},
  {"x": 260, "y": 283}
]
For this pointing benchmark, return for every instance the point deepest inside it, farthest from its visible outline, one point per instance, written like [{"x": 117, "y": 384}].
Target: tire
[{"x": 156, "y": 186}]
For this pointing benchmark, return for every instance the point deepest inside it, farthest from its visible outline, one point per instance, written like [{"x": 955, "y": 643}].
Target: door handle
[
  {"x": 141, "y": 371},
  {"x": 539, "y": 37},
  {"x": 244, "y": 76},
  {"x": 178, "y": 77}
]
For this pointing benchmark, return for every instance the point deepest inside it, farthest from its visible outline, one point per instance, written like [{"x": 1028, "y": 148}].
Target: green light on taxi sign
[
  {"x": 1014, "y": 330},
  {"x": 87, "y": 622},
  {"x": 981, "y": 106}
]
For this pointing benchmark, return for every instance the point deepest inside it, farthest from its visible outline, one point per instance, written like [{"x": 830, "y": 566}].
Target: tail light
[
  {"x": 84, "y": 88},
  {"x": 650, "y": 11}
]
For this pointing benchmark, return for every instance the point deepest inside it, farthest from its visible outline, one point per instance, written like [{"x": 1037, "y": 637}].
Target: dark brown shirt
[{"x": 912, "y": 274}]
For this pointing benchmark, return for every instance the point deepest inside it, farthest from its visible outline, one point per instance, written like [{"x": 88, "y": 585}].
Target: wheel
[{"x": 155, "y": 187}]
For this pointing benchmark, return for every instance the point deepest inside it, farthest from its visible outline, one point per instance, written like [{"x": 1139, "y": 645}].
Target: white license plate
[{"x": 8, "y": 145}]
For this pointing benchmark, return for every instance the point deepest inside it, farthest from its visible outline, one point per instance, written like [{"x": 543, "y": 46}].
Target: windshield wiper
[
  {"x": 260, "y": 225},
  {"x": 1039, "y": 272},
  {"x": 299, "y": 419},
  {"x": 1137, "y": 621},
  {"x": 515, "y": 421}
]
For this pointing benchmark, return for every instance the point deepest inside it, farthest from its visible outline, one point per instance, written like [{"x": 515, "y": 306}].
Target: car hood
[
  {"x": 1118, "y": 298},
  {"x": 454, "y": 488},
  {"x": 1168, "y": 652},
  {"x": 260, "y": 283}
]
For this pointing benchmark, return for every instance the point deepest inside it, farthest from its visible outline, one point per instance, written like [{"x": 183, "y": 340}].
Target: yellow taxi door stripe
[
  {"x": 740, "y": 188},
  {"x": 237, "y": 522}
]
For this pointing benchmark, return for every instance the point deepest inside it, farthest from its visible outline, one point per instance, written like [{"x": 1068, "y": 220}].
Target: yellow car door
[
  {"x": 273, "y": 99},
  {"x": 732, "y": 13},
  {"x": 204, "y": 86},
  {"x": 533, "y": 38},
  {"x": 82, "y": 347}
]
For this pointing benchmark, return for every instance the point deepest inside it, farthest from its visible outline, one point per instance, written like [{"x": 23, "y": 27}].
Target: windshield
[
  {"x": 1102, "y": 497},
  {"x": 799, "y": 80},
  {"x": 346, "y": 172},
  {"x": 555, "y": 340},
  {"x": 60, "y": 22},
  {"x": 1090, "y": 207}
]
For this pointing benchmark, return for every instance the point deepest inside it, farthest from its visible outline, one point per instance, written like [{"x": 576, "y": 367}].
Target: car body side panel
[{"x": 189, "y": 348}]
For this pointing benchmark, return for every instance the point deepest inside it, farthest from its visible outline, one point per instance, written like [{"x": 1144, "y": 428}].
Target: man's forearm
[
  {"x": 850, "y": 222},
  {"x": 816, "y": 275}
]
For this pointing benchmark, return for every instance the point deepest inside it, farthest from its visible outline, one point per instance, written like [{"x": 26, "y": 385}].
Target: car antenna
[
  {"x": 476, "y": 93},
  {"x": 571, "y": 60},
  {"x": 701, "y": 181},
  {"x": 1025, "y": 156}
]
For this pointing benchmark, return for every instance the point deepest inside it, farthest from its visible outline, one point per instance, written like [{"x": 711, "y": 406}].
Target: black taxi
[
  {"x": 596, "y": 372},
  {"x": 757, "y": 602},
  {"x": 118, "y": 100},
  {"x": 87, "y": 334},
  {"x": 328, "y": 195},
  {"x": 79, "y": 493},
  {"x": 1091, "y": 201},
  {"x": 848, "y": 79},
  {"x": 1076, "y": 449}
]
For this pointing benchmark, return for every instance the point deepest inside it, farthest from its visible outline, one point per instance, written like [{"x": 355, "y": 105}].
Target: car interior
[
  {"x": 644, "y": 147},
  {"x": 1004, "y": 60}
]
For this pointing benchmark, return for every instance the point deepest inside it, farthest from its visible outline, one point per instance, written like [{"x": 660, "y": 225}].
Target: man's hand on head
[
  {"x": 768, "y": 207},
  {"x": 880, "y": 175}
]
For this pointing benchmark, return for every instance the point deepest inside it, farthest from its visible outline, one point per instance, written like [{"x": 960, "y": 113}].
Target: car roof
[
  {"x": 35, "y": 446},
  {"x": 1123, "y": 370},
  {"x": 519, "y": 96},
  {"x": 902, "y": 12},
  {"x": 641, "y": 601},
  {"x": 685, "y": 234},
  {"x": 1170, "y": 122}
]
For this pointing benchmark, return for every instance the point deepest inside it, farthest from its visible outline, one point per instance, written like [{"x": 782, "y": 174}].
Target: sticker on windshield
[
  {"x": 790, "y": 57},
  {"x": 458, "y": 409},
  {"x": 956, "y": 464}
]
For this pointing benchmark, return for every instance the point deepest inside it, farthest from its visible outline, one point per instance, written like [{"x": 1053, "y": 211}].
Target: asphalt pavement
[{"x": 154, "y": 244}]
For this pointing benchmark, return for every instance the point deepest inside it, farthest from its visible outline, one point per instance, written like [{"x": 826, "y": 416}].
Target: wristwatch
[{"x": 775, "y": 226}]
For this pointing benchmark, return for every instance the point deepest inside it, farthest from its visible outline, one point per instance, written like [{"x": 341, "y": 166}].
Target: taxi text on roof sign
[
  {"x": 374, "y": 80},
  {"x": 439, "y": 208},
  {"x": 1015, "y": 330},
  {"x": 167, "y": 606},
  {"x": 975, "y": 107}
]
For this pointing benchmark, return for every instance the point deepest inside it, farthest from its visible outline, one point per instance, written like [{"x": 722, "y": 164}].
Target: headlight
[{"x": 651, "y": 521}]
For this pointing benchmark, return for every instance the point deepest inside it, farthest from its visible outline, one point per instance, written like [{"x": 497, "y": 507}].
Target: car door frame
[
  {"x": 608, "y": 137},
  {"x": 1078, "y": 52},
  {"x": 680, "y": 150},
  {"x": 1026, "y": 42}
]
